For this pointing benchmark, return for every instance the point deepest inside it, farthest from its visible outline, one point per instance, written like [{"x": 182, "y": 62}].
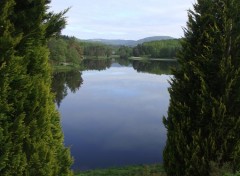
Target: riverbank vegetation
[{"x": 69, "y": 52}]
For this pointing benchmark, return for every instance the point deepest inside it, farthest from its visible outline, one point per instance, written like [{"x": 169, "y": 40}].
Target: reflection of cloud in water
[
  {"x": 117, "y": 110},
  {"x": 130, "y": 138},
  {"x": 118, "y": 73}
]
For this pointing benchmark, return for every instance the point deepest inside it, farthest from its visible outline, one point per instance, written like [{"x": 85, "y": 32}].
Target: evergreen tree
[
  {"x": 12, "y": 159},
  {"x": 203, "y": 120},
  {"x": 58, "y": 50},
  {"x": 30, "y": 131}
]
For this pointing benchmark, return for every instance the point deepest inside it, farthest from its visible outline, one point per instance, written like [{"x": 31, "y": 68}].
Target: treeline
[
  {"x": 157, "y": 49},
  {"x": 96, "y": 49},
  {"x": 124, "y": 51},
  {"x": 154, "y": 49},
  {"x": 66, "y": 49}
]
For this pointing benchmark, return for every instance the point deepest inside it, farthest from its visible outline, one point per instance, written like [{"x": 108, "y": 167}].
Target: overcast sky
[{"x": 124, "y": 19}]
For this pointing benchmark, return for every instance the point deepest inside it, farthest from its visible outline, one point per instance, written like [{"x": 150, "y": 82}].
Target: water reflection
[
  {"x": 72, "y": 79},
  {"x": 96, "y": 64},
  {"x": 62, "y": 81},
  {"x": 123, "y": 62},
  {"x": 115, "y": 118},
  {"x": 154, "y": 66}
]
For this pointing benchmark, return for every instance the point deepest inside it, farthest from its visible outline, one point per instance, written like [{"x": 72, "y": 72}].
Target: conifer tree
[
  {"x": 30, "y": 131},
  {"x": 203, "y": 123},
  {"x": 12, "y": 134}
]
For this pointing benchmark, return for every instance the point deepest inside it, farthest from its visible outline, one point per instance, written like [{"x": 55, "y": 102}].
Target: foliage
[
  {"x": 65, "y": 50},
  {"x": 158, "y": 49},
  {"x": 96, "y": 49},
  {"x": 224, "y": 170},
  {"x": 229, "y": 174},
  {"x": 69, "y": 50},
  {"x": 203, "y": 120},
  {"x": 124, "y": 52},
  {"x": 30, "y": 132}
]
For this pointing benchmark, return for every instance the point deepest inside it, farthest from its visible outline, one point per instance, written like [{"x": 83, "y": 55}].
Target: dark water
[{"x": 112, "y": 112}]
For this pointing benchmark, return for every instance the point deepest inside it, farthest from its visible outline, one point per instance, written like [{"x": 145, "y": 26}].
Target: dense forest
[
  {"x": 70, "y": 50},
  {"x": 65, "y": 50},
  {"x": 158, "y": 49},
  {"x": 96, "y": 49}
]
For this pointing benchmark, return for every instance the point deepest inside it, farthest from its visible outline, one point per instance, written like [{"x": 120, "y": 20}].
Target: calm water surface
[{"x": 112, "y": 114}]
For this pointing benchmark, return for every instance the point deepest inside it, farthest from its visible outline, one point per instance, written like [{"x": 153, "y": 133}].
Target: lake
[{"x": 112, "y": 112}]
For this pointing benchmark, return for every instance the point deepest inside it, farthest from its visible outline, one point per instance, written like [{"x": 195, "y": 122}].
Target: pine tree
[
  {"x": 30, "y": 131},
  {"x": 203, "y": 120}
]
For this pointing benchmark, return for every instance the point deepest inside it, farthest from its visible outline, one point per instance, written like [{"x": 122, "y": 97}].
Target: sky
[{"x": 123, "y": 19}]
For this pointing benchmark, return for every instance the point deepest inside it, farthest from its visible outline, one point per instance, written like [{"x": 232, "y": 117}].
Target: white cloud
[{"x": 124, "y": 19}]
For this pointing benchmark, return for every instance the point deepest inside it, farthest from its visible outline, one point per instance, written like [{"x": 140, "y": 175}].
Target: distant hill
[
  {"x": 130, "y": 42},
  {"x": 155, "y": 38},
  {"x": 113, "y": 42}
]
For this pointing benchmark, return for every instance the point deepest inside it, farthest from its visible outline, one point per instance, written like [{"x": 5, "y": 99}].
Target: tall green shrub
[
  {"x": 203, "y": 122},
  {"x": 30, "y": 132}
]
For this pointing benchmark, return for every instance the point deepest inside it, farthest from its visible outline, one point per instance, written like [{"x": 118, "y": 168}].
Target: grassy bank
[
  {"x": 139, "y": 170},
  {"x": 145, "y": 170}
]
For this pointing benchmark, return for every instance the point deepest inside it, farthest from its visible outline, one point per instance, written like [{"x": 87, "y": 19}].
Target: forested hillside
[
  {"x": 158, "y": 49},
  {"x": 129, "y": 43}
]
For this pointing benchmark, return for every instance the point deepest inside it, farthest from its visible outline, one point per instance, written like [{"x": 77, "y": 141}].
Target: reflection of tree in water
[
  {"x": 64, "y": 80},
  {"x": 123, "y": 61},
  {"x": 155, "y": 67},
  {"x": 94, "y": 64}
]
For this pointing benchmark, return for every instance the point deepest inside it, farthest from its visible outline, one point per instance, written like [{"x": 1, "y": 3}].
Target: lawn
[{"x": 138, "y": 170}]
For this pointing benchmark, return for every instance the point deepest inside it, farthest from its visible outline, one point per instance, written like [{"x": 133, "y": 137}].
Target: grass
[{"x": 138, "y": 170}]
